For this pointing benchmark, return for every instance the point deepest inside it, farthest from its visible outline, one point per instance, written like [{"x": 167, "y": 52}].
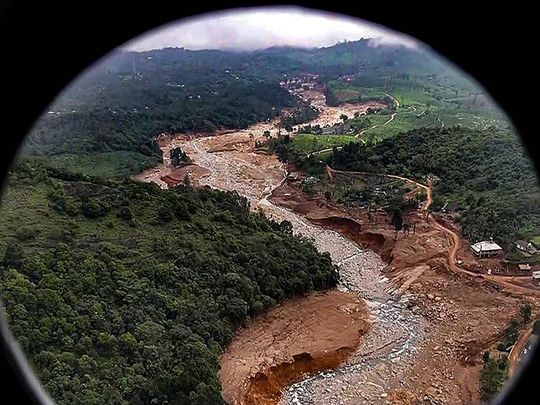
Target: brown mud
[{"x": 300, "y": 337}]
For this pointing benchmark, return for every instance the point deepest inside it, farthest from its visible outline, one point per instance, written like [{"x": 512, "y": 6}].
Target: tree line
[
  {"x": 487, "y": 172},
  {"x": 125, "y": 293}
]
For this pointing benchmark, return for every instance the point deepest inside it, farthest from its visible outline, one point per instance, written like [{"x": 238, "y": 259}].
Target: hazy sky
[{"x": 249, "y": 29}]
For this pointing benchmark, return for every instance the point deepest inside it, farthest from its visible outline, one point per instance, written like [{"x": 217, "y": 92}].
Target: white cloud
[{"x": 259, "y": 28}]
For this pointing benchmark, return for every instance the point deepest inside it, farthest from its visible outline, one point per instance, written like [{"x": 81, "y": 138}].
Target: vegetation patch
[
  {"x": 486, "y": 172},
  {"x": 302, "y": 149},
  {"x": 495, "y": 371},
  {"x": 493, "y": 375},
  {"x": 120, "y": 292}
]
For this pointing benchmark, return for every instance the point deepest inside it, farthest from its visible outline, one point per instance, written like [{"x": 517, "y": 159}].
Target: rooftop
[{"x": 485, "y": 246}]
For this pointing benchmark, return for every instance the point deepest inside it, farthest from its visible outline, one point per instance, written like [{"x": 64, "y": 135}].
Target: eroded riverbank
[
  {"x": 429, "y": 324},
  {"x": 231, "y": 163},
  {"x": 302, "y": 336}
]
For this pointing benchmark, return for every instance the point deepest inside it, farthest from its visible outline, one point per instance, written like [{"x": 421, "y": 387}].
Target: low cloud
[{"x": 259, "y": 28}]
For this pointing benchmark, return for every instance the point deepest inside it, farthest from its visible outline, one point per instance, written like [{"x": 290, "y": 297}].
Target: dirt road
[
  {"x": 375, "y": 126},
  {"x": 502, "y": 280},
  {"x": 517, "y": 351},
  {"x": 357, "y": 135}
]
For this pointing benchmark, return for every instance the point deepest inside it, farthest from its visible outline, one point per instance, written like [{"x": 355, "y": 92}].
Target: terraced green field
[{"x": 304, "y": 144}]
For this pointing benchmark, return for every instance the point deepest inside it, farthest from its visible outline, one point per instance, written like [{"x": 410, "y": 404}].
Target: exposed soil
[
  {"x": 431, "y": 319},
  {"x": 517, "y": 350},
  {"x": 462, "y": 315},
  {"x": 300, "y": 337},
  {"x": 177, "y": 175}
]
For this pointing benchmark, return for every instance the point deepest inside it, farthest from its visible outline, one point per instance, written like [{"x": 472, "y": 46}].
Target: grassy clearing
[
  {"x": 363, "y": 191},
  {"x": 425, "y": 101},
  {"x": 414, "y": 96},
  {"x": 106, "y": 164},
  {"x": 373, "y": 119},
  {"x": 304, "y": 144},
  {"x": 345, "y": 95},
  {"x": 346, "y": 92},
  {"x": 403, "y": 121}
]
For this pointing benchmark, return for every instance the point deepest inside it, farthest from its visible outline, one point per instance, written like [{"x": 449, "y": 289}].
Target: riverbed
[{"x": 376, "y": 366}]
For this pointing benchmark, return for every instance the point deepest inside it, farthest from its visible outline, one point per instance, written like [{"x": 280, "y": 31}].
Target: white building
[{"x": 486, "y": 248}]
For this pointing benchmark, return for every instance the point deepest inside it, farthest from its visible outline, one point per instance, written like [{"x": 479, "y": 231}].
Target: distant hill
[{"x": 119, "y": 105}]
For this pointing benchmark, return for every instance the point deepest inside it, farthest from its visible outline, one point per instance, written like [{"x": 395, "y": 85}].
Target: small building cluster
[
  {"x": 305, "y": 81},
  {"x": 486, "y": 249},
  {"x": 526, "y": 247},
  {"x": 347, "y": 78}
]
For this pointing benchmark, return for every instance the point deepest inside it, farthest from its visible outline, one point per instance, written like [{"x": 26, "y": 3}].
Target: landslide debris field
[
  {"x": 418, "y": 325},
  {"x": 303, "y": 335}
]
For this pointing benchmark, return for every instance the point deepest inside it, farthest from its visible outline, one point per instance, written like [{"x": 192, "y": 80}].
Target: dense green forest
[
  {"x": 120, "y": 292},
  {"x": 488, "y": 173},
  {"x": 119, "y": 107},
  {"x": 105, "y": 122}
]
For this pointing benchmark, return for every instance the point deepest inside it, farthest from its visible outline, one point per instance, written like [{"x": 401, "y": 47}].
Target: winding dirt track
[
  {"x": 504, "y": 281},
  {"x": 361, "y": 132},
  {"x": 516, "y": 353},
  {"x": 375, "y": 126}
]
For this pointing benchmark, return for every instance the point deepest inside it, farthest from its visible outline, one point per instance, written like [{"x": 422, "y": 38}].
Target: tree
[
  {"x": 187, "y": 180},
  {"x": 266, "y": 134},
  {"x": 286, "y": 226},
  {"x": 13, "y": 256},
  {"x": 512, "y": 332},
  {"x": 406, "y": 229},
  {"x": 94, "y": 207},
  {"x": 397, "y": 219},
  {"x": 343, "y": 117},
  {"x": 125, "y": 213},
  {"x": 492, "y": 377},
  {"x": 526, "y": 312},
  {"x": 178, "y": 156}
]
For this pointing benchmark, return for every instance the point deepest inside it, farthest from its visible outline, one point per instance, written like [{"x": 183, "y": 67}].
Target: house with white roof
[{"x": 486, "y": 248}]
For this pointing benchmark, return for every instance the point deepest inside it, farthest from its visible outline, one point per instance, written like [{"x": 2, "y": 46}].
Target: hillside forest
[{"x": 120, "y": 292}]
